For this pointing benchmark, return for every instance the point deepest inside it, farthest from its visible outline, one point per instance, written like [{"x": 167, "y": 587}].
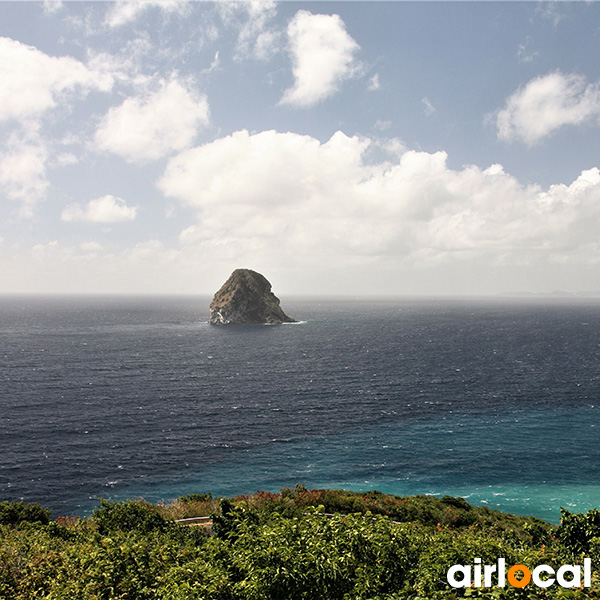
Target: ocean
[{"x": 495, "y": 400}]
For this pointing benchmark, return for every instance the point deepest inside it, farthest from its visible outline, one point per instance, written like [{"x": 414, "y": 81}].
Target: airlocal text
[{"x": 543, "y": 576}]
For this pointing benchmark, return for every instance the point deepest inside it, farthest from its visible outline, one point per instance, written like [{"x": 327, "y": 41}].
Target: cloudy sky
[{"x": 362, "y": 148}]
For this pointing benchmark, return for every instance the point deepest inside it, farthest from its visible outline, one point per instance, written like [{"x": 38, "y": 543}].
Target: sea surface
[{"x": 495, "y": 400}]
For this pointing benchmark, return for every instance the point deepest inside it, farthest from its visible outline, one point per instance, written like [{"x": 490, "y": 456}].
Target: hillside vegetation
[{"x": 298, "y": 544}]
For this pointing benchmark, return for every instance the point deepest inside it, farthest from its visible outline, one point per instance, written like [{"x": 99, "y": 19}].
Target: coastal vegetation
[{"x": 296, "y": 544}]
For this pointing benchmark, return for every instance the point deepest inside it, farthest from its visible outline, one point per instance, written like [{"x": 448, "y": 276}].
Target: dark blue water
[{"x": 497, "y": 401}]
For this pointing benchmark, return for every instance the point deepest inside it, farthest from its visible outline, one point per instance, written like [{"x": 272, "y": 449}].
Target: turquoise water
[
  {"x": 529, "y": 462},
  {"x": 495, "y": 401}
]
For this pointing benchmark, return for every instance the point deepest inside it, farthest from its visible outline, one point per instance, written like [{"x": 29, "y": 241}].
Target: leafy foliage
[
  {"x": 128, "y": 516},
  {"x": 13, "y": 513},
  {"x": 192, "y": 498},
  {"x": 579, "y": 532},
  {"x": 427, "y": 510},
  {"x": 284, "y": 547}
]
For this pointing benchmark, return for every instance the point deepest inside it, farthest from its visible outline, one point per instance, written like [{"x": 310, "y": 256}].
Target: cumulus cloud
[
  {"x": 127, "y": 65},
  {"x": 252, "y": 17},
  {"x": 339, "y": 221},
  {"x": 33, "y": 82},
  {"x": 23, "y": 171},
  {"x": 268, "y": 167},
  {"x": 322, "y": 54},
  {"x": 145, "y": 128},
  {"x": 251, "y": 22},
  {"x": 106, "y": 209},
  {"x": 546, "y": 104},
  {"x": 271, "y": 190},
  {"x": 126, "y": 11}
]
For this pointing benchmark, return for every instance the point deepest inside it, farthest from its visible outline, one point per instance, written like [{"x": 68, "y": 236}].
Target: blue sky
[{"x": 360, "y": 148}]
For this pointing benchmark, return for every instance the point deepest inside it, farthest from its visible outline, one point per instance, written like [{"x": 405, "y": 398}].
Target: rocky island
[{"x": 246, "y": 299}]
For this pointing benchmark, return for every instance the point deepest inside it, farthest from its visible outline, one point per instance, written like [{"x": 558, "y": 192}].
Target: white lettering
[
  {"x": 575, "y": 581},
  {"x": 537, "y": 580},
  {"x": 488, "y": 571},
  {"x": 466, "y": 576},
  {"x": 501, "y": 572},
  {"x": 587, "y": 572},
  {"x": 477, "y": 573},
  {"x": 542, "y": 576}
]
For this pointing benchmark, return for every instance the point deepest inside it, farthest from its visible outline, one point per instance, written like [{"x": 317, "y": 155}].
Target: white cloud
[
  {"x": 33, "y": 82},
  {"x": 323, "y": 56},
  {"x": 40, "y": 250},
  {"x": 90, "y": 246},
  {"x": 374, "y": 84},
  {"x": 552, "y": 11},
  {"x": 23, "y": 172},
  {"x": 382, "y": 125},
  {"x": 335, "y": 224},
  {"x": 64, "y": 159},
  {"x": 525, "y": 54},
  {"x": 429, "y": 108},
  {"x": 214, "y": 65},
  {"x": 52, "y": 6},
  {"x": 546, "y": 104},
  {"x": 57, "y": 266},
  {"x": 309, "y": 199},
  {"x": 268, "y": 168},
  {"x": 126, "y": 11},
  {"x": 107, "y": 209},
  {"x": 126, "y": 66},
  {"x": 255, "y": 39},
  {"x": 145, "y": 128},
  {"x": 250, "y": 22}
]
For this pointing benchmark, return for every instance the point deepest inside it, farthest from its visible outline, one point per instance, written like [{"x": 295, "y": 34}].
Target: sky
[{"x": 352, "y": 148}]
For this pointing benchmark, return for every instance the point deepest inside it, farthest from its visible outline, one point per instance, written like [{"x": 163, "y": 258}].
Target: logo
[{"x": 543, "y": 576}]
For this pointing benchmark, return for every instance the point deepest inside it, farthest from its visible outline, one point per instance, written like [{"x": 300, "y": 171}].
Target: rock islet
[{"x": 246, "y": 299}]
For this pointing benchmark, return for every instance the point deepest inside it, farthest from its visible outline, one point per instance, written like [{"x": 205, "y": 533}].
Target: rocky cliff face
[{"x": 246, "y": 298}]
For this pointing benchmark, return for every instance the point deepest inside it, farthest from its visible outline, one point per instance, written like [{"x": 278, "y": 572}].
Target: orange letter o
[{"x": 518, "y": 583}]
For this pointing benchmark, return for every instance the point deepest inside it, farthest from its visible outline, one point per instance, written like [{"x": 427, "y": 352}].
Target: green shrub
[
  {"x": 128, "y": 516},
  {"x": 285, "y": 547},
  {"x": 192, "y": 498},
  {"x": 577, "y": 531},
  {"x": 227, "y": 524},
  {"x": 13, "y": 513}
]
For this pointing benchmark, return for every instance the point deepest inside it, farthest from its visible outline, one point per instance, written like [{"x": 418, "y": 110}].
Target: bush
[
  {"x": 318, "y": 557},
  {"x": 192, "y": 498},
  {"x": 13, "y": 513},
  {"x": 456, "y": 502},
  {"x": 129, "y": 551},
  {"x": 227, "y": 524},
  {"x": 577, "y": 531},
  {"x": 133, "y": 515}
]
